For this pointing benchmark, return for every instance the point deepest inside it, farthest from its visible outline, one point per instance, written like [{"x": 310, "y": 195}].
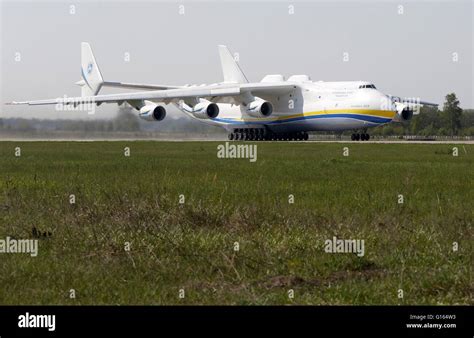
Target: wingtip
[{"x": 13, "y": 103}]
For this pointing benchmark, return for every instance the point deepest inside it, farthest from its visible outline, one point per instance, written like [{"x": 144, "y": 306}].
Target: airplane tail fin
[
  {"x": 91, "y": 78},
  {"x": 230, "y": 68}
]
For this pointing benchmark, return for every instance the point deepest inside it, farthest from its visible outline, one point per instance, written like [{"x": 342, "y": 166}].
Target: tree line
[{"x": 431, "y": 121}]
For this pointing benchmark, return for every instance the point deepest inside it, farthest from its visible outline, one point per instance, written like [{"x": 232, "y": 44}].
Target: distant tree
[
  {"x": 467, "y": 120},
  {"x": 387, "y": 130},
  {"x": 428, "y": 131},
  {"x": 428, "y": 118},
  {"x": 451, "y": 115},
  {"x": 469, "y": 131}
]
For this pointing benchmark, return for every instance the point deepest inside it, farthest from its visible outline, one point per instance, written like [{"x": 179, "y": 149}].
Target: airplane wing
[
  {"x": 235, "y": 88},
  {"x": 138, "y": 85},
  {"x": 412, "y": 101},
  {"x": 413, "y": 104},
  {"x": 238, "y": 92},
  {"x": 424, "y": 103}
]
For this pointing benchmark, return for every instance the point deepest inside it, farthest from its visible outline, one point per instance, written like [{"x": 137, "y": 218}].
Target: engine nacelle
[
  {"x": 259, "y": 108},
  {"x": 152, "y": 112},
  {"x": 405, "y": 115},
  {"x": 205, "y": 110}
]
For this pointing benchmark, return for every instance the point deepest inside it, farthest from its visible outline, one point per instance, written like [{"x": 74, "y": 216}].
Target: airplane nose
[
  {"x": 375, "y": 99},
  {"x": 385, "y": 101}
]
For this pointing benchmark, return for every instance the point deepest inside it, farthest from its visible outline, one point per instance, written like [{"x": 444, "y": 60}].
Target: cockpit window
[{"x": 367, "y": 86}]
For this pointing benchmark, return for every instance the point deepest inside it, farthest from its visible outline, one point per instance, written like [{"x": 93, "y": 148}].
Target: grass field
[{"x": 191, "y": 246}]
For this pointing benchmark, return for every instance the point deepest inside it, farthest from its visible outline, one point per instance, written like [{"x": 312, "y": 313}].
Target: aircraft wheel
[
  {"x": 306, "y": 136},
  {"x": 367, "y": 137},
  {"x": 353, "y": 137},
  {"x": 231, "y": 136},
  {"x": 357, "y": 137},
  {"x": 362, "y": 137}
]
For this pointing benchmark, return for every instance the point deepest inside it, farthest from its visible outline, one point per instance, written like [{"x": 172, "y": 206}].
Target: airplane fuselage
[{"x": 318, "y": 106}]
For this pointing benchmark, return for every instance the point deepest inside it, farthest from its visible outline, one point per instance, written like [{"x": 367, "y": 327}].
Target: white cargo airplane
[{"x": 273, "y": 109}]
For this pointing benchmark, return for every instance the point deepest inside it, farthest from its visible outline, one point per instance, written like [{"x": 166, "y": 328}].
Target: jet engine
[
  {"x": 259, "y": 108},
  {"x": 406, "y": 114},
  {"x": 404, "y": 111},
  {"x": 152, "y": 112},
  {"x": 205, "y": 110}
]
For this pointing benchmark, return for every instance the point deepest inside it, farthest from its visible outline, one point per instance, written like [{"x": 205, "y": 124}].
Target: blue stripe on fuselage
[{"x": 368, "y": 118}]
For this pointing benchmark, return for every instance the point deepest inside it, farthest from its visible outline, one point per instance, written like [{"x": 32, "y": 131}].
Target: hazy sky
[{"x": 409, "y": 54}]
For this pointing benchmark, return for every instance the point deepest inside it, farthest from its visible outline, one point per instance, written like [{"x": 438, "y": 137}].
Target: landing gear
[
  {"x": 362, "y": 137},
  {"x": 261, "y": 134},
  {"x": 355, "y": 137}
]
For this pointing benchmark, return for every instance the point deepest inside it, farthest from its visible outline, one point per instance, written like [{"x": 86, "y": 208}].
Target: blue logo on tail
[{"x": 90, "y": 66}]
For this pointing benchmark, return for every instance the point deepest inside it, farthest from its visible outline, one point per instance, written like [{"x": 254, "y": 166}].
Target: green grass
[{"x": 135, "y": 199}]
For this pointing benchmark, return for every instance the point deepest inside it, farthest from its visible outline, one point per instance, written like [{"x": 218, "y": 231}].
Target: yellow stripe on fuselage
[{"x": 372, "y": 112}]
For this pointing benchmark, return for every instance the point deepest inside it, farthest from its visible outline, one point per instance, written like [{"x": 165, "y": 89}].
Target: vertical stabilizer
[
  {"x": 230, "y": 68},
  {"x": 91, "y": 78}
]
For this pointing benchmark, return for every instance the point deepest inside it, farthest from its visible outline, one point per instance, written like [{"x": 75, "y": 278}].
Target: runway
[
  {"x": 397, "y": 142},
  {"x": 125, "y": 139}
]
